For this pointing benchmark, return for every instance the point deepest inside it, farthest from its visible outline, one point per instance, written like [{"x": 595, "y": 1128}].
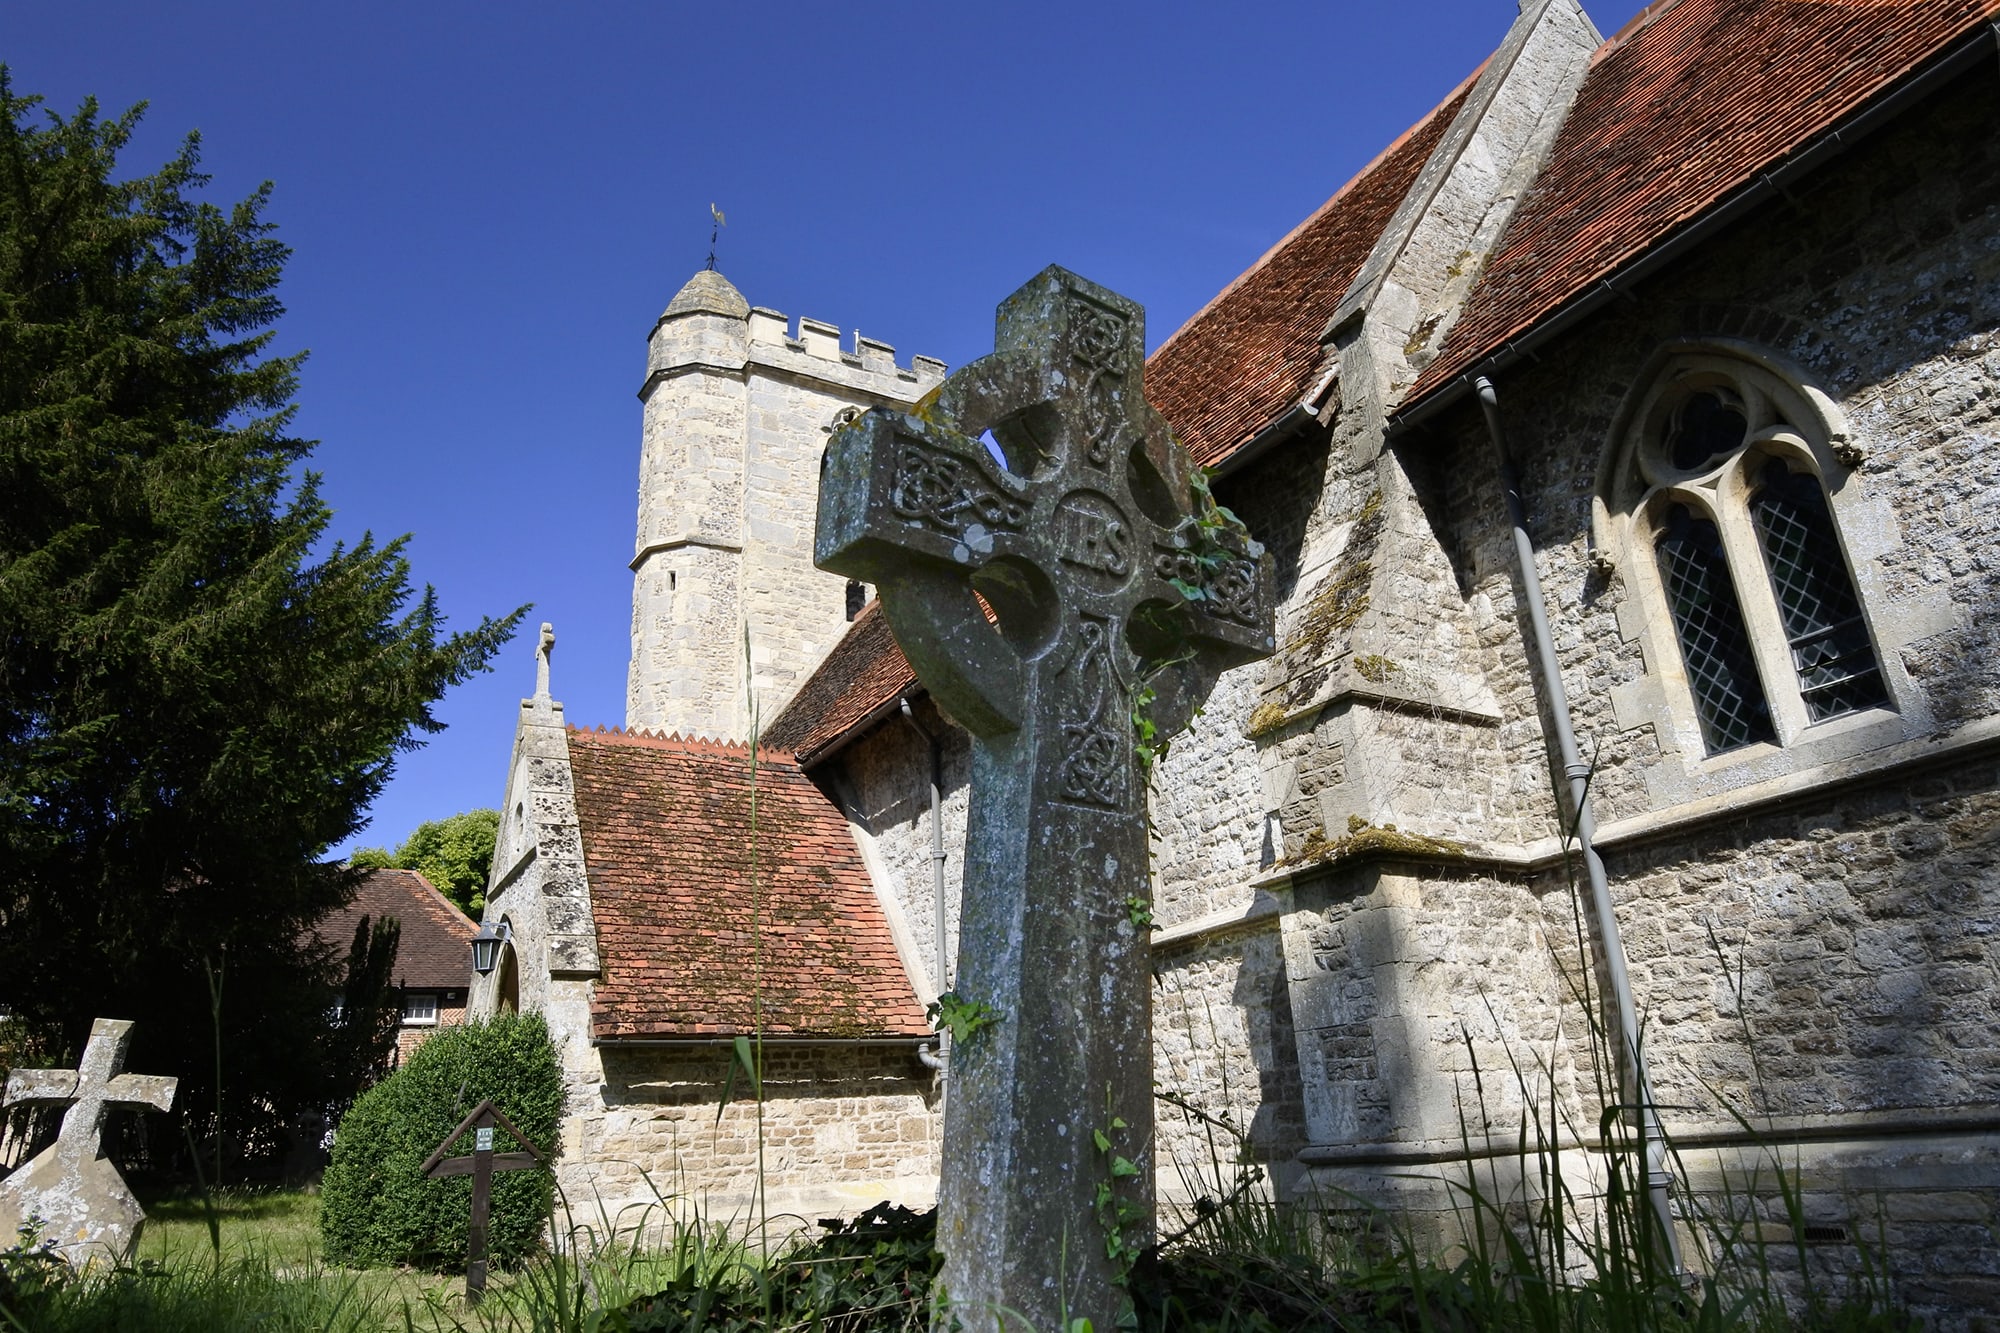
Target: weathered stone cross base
[{"x": 89, "y": 1214}]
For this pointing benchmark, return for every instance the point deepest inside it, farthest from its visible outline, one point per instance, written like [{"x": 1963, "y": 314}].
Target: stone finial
[
  {"x": 70, "y": 1187},
  {"x": 544, "y": 648}
]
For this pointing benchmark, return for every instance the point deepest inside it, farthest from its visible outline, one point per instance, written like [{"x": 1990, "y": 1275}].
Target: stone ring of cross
[{"x": 1083, "y": 528}]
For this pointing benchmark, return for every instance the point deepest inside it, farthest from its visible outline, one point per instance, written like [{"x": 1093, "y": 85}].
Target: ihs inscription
[{"x": 1092, "y": 535}]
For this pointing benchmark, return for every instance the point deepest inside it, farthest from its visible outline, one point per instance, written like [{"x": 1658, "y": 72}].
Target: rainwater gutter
[
  {"x": 934, "y": 1057},
  {"x": 1960, "y": 58},
  {"x": 1293, "y": 420},
  {"x": 1555, "y": 699}
]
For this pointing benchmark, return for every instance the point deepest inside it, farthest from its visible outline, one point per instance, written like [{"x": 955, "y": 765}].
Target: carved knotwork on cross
[{"x": 1115, "y": 583}]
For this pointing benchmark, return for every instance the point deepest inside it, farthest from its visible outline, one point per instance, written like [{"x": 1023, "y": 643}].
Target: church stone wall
[
  {"x": 1224, "y": 1046},
  {"x": 1810, "y": 931},
  {"x": 1810, "y": 928},
  {"x": 884, "y": 781},
  {"x": 1881, "y": 284},
  {"x": 1848, "y": 937},
  {"x": 1208, "y": 803},
  {"x": 842, "y": 1126},
  {"x": 1431, "y": 1006},
  {"x": 1369, "y": 952}
]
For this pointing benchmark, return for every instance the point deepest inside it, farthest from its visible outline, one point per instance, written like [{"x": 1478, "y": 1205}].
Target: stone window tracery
[{"x": 1721, "y": 487}]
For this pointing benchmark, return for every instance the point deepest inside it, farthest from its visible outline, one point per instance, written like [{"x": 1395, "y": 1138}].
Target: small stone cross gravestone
[
  {"x": 82, "y": 1202},
  {"x": 1118, "y": 592},
  {"x": 480, "y": 1166}
]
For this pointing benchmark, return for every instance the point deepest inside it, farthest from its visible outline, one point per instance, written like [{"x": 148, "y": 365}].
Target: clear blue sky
[{"x": 490, "y": 204}]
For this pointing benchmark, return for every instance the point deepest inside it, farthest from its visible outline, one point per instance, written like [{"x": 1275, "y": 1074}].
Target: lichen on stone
[
  {"x": 1376, "y": 668},
  {"x": 1342, "y": 598}
]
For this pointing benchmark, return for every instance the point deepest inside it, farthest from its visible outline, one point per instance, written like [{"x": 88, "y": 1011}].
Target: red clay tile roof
[
  {"x": 863, "y": 674},
  {"x": 1253, "y": 351},
  {"x": 1700, "y": 98},
  {"x": 435, "y": 952},
  {"x": 692, "y": 905}
]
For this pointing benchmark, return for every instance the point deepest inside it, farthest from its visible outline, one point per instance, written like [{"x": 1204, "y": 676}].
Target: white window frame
[{"x": 412, "y": 1020}]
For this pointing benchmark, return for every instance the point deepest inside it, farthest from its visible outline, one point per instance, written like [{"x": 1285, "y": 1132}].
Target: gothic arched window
[
  {"x": 1708, "y": 623},
  {"x": 1724, "y": 474}
]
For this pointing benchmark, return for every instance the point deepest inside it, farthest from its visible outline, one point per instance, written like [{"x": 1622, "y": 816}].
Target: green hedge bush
[{"x": 376, "y": 1208}]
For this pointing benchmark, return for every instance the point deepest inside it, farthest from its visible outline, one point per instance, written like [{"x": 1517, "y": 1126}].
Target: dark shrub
[{"x": 375, "y": 1206}]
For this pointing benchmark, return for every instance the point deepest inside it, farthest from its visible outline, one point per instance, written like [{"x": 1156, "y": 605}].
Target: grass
[
  {"x": 1241, "y": 1263},
  {"x": 278, "y": 1229}
]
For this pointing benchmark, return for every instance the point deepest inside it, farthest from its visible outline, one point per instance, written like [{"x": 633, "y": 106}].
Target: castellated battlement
[
  {"x": 771, "y": 329},
  {"x": 770, "y": 342},
  {"x": 739, "y": 404}
]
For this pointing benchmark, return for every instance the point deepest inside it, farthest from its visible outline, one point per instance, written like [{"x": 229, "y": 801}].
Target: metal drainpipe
[
  {"x": 938, "y": 1060},
  {"x": 1652, "y": 1141}
]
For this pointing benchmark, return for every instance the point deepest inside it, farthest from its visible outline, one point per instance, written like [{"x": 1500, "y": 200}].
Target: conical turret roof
[{"x": 708, "y": 293}]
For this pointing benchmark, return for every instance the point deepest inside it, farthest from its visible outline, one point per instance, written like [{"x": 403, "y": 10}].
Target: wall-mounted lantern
[{"x": 486, "y": 946}]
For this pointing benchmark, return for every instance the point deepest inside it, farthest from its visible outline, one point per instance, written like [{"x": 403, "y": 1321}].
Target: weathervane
[{"x": 713, "y": 232}]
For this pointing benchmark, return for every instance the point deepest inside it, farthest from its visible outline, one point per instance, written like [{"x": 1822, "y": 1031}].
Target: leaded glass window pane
[
  {"x": 1708, "y": 621},
  {"x": 1831, "y": 651}
]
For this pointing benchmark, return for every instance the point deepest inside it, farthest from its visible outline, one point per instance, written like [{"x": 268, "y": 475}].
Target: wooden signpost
[{"x": 480, "y": 1166}]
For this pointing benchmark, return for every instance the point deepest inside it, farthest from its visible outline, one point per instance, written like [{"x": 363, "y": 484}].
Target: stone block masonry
[{"x": 843, "y": 1126}]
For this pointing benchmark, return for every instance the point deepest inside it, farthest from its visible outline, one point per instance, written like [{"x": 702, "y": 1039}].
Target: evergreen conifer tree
[{"x": 196, "y": 699}]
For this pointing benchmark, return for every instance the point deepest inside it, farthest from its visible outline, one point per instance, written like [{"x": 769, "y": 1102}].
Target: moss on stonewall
[{"x": 1364, "y": 840}]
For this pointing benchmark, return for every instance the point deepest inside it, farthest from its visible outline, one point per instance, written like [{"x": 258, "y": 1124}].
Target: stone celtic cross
[
  {"x": 1115, "y": 585},
  {"x": 71, "y": 1186}
]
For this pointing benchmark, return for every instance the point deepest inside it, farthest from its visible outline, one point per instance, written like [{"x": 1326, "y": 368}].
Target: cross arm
[
  {"x": 154, "y": 1090},
  {"x": 917, "y": 509},
  {"x": 40, "y": 1085},
  {"x": 896, "y": 488},
  {"x": 465, "y": 1166}
]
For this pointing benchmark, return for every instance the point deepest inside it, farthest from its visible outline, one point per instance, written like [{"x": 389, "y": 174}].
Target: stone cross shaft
[
  {"x": 70, "y": 1186},
  {"x": 1115, "y": 586}
]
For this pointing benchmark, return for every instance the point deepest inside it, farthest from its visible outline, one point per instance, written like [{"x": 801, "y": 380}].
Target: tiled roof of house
[
  {"x": 863, "y": 674},
  {"x": 1253, "y": 352},
  {"x": 1696, "y": 100},
  {"x": 435, "y": 952},
  {"x": 703, "y": 914}
]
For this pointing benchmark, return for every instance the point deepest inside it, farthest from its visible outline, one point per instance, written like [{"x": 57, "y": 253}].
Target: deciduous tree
[{"x": 455, "y": 855}]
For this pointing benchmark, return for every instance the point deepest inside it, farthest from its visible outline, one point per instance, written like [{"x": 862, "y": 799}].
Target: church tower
[{"x": 738, "y": 408}]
